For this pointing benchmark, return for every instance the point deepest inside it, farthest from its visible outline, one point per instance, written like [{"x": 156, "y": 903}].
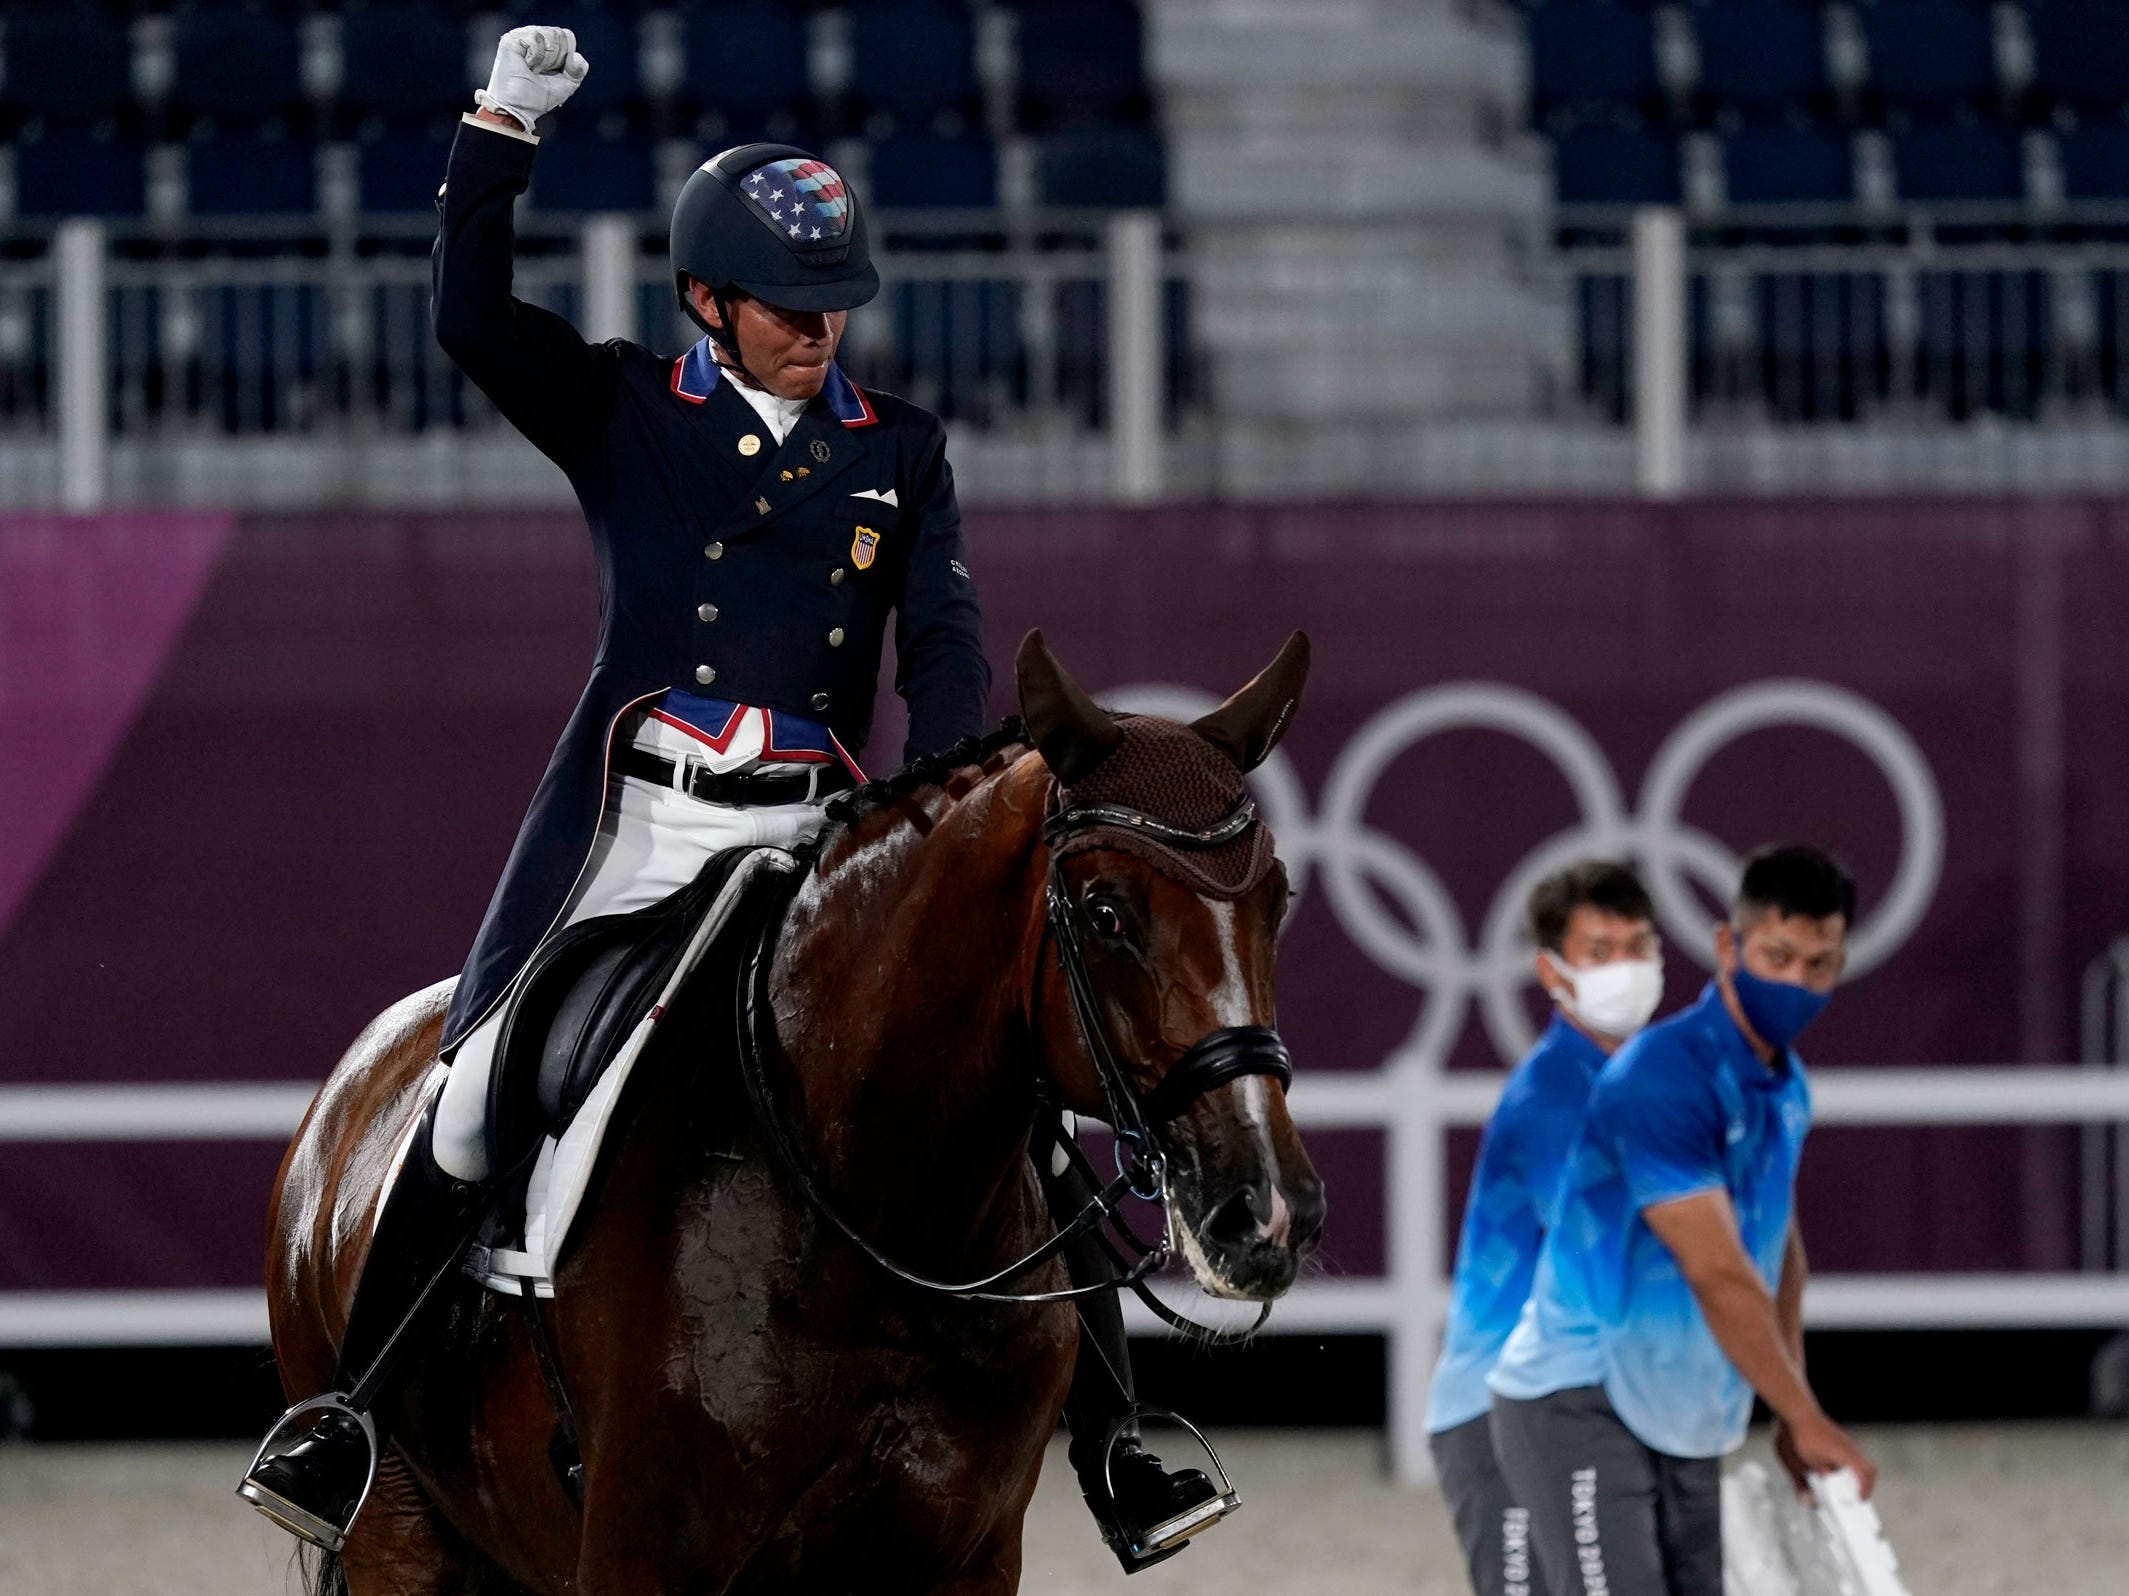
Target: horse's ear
[
  {"x": 1073, "y": 732},
  {"x": 1249, "y": 725}
]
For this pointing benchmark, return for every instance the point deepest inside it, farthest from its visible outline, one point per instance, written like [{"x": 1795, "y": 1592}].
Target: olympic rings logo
[{"x": 1364, "y": 871}]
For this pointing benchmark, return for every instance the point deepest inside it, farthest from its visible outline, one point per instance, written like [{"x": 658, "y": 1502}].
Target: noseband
[{"x": 1219, "y": 1056}]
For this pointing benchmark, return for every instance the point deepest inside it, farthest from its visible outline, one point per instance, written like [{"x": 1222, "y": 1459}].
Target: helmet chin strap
[{"x": 725, "y": 336}]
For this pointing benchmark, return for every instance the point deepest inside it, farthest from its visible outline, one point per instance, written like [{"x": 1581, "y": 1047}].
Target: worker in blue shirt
[
  {"x": 1600, "y": 961},
  {"x": 1671, "y": 1286}
]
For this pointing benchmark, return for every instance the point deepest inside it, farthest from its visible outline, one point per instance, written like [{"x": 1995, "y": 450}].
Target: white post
[
  {"x": 84, "y": 372},
  {"x": 609, "y": 246},
  {"x": 1418, "y": 1129},
  {"x": 1660, "y": 375},
  {"x": 1136, "y": 402}
]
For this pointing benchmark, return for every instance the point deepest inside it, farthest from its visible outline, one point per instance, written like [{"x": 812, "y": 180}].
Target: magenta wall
[{"x": 257, "y": 775}]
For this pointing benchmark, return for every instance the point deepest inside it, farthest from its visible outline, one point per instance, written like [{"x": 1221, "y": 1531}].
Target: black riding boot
[
  {"x": 1146, "y": 1512},
  {"x": 315, "y": 1466}
]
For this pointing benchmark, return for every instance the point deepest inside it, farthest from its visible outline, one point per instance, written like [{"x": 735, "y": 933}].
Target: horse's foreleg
[{"x": 401, "y": 1546}]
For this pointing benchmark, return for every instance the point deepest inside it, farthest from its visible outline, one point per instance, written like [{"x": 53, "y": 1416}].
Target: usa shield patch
[{"x": 864, "y": 548}]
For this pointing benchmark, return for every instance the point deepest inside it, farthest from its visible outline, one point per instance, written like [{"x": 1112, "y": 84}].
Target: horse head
[{"x": 1165, "y": 898}]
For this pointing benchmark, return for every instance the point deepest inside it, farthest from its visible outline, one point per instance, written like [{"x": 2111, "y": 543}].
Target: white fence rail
[
  {"x": 1413, "y": 1102},
  {"x": 1058, "y": 327}
]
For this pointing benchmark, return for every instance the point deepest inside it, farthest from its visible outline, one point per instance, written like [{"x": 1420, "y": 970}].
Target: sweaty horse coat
[{"x": 763, "y": 576}]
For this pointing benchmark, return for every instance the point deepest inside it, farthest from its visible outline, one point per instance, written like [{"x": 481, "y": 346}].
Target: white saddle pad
[{"x": 563, "y": 1168}]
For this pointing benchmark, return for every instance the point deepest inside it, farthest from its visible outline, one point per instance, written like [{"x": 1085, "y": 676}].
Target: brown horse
[{"x": 761, "y": 1407}]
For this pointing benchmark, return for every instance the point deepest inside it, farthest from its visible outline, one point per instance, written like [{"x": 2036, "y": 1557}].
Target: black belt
[{"x": 797, "y": 785}]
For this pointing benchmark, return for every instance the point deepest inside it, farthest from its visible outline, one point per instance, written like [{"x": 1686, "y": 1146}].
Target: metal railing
[
  {"x": 1690, "y": 328},
  {"x": 1051, "y": 326},
  {"x": 1414, "y": 1101}
]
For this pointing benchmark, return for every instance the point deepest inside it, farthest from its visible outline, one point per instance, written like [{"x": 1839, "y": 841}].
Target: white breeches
[{"x": 652, "y": 842}]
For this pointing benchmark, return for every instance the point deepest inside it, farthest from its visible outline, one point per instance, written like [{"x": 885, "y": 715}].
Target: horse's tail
[{"x": 322, "y": 1573}]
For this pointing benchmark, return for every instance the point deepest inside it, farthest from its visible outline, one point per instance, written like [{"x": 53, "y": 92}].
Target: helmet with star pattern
[{"x": 774, "y": 222}]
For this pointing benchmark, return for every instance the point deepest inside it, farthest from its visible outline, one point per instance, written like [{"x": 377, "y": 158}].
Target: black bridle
[{"x": 1218, "y": 1057}]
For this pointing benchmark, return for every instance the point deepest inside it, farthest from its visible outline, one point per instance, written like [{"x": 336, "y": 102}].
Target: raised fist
[{"x": 536, "y": 69}]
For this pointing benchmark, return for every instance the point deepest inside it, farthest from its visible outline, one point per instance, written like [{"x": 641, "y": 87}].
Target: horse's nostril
[{"x": 1234, "y": 1223}]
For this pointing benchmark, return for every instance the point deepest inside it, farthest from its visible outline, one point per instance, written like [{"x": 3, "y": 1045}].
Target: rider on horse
[{"x": 755, "y": 517}]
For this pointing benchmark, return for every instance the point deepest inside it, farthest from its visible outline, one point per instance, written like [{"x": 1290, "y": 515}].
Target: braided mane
[{"x": 846, "y": 809}]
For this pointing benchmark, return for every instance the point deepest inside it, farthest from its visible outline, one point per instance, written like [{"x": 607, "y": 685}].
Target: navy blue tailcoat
[{"x": 759, "y": 573}]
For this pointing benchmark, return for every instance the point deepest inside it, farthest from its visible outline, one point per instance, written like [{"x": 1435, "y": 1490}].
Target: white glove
[{"x": 536, "y": 69}]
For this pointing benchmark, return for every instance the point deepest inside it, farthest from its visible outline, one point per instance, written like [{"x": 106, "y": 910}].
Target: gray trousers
[
  {"x": 1608, "y": 1516},
  {"x": 1492, "y": 1529}
]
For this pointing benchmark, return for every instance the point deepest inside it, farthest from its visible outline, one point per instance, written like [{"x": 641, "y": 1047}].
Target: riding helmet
[{"x": 774, "y": 222}]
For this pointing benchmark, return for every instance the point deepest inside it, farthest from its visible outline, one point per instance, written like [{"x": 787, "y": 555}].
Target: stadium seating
[
  {"x": 934, "y": 171},
  {"x": 581, "y": 170},
  {"x": 1931, "y": 55},
  {"x": 70, "y": 173},
  {"x": 234, "y": 64},
  {"x": 2095, "y": 161},
  {"x": 1616, "y": 166},
  {"x": 745, "y": 61},
  {"x": 1760, "y": 55},
  {"x": 399, "y": 169},
  {"x": 2080, "y": 52},
  {"x": 251, "y": 174},
  {"x": 1788, "y": 164},
  {"x": 1082, "y": 62},
  {"x": 912, "y": 61},
  {"x": 1587, "y": 53},
  {"x": 403, "y": 62},
  {"x": 1959, "y": 162},
  {"x": 1102, "y": 167},
  {"x": 70, "y": 64}
]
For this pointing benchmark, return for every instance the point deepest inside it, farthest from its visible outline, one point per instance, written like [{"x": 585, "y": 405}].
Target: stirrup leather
[
  {"x": 285, "y": 1435},
  {"x": 1162, "y": 1540}
]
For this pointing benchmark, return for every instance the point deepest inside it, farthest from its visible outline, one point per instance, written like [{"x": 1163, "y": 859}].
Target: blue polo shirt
[
  {"x": 1684, "y": 1107},
  {"x": 1511, "y": 1206}
]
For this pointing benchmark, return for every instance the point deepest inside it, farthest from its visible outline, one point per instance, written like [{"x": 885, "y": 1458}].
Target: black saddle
[{"x": 579, "y": 998}]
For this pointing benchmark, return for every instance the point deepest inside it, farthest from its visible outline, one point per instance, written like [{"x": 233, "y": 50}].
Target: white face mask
[{"x": 1614, "y": 999}]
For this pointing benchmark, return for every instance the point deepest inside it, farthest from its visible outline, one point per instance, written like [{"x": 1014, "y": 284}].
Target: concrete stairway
[{"x": 1354, "y": 187}]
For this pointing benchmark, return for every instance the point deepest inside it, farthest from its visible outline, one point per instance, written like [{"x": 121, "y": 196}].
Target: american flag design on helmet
[{"x": 804, "y": 198}]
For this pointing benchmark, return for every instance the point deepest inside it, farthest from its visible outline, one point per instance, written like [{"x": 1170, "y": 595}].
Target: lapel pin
[
  {"x": 750, "y": 445},
  {"x": 783, "y": 476},
  {"x": 761, "y": 506},
  {"x": 820, "y": 451},
  {"x": 805, "y": 471}
]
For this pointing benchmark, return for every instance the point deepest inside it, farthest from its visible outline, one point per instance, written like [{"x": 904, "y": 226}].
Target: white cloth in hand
[{"x": 536, "y": 69}]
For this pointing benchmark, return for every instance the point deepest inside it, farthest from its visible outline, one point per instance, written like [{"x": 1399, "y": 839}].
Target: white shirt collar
[{"x": 778, "y": 415}]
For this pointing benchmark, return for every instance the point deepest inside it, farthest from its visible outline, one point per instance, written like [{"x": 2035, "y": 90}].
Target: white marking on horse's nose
[{"x": 1281, "y": 1224}]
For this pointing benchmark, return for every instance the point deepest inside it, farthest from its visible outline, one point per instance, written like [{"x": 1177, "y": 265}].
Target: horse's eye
[{"x": 1103, "y": 916}]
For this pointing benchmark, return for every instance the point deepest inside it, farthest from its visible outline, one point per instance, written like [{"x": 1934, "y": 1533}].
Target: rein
[{"x": 1215, "y": 1059}]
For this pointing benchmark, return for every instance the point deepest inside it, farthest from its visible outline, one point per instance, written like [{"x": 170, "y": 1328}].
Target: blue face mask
[{"x": 1777, "y": 1010}]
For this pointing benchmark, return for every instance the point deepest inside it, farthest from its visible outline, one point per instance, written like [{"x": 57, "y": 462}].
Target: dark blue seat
[
  {"x": 1615, "y": 166},
  {"x": 745, "y": 59},
  {"x": 1931, "y": 54},
  {"x": 236, "y": 63},
  {"x": 1123, "y": 168},
  {"x": 404, "y": 62},
  {"x": 1760, "y": 55},
  {"x": 1984, "y": 341},
  {"x": 1822, "y": 343},
  {"x": 1954, "y": 162},
  {"x": 605, "y": 37},
  {"x": 1590, "y": 52},
  {"x": 398, "y": 170},
  {"x": 2080, "y": 51},
  {"x": 1788, "y": 165},
  {"x": 933, "y": 171},
  {"x": 72, "y": 174},
  {"x": 67, "y": 63},
  {"x": 579, "y": 170},
  {"x": 251, "y": 174},
  {"x": 2095, "y": 161},
  {"x": 1081, "y": 61},
  {"x": 912, "y": 60}
]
